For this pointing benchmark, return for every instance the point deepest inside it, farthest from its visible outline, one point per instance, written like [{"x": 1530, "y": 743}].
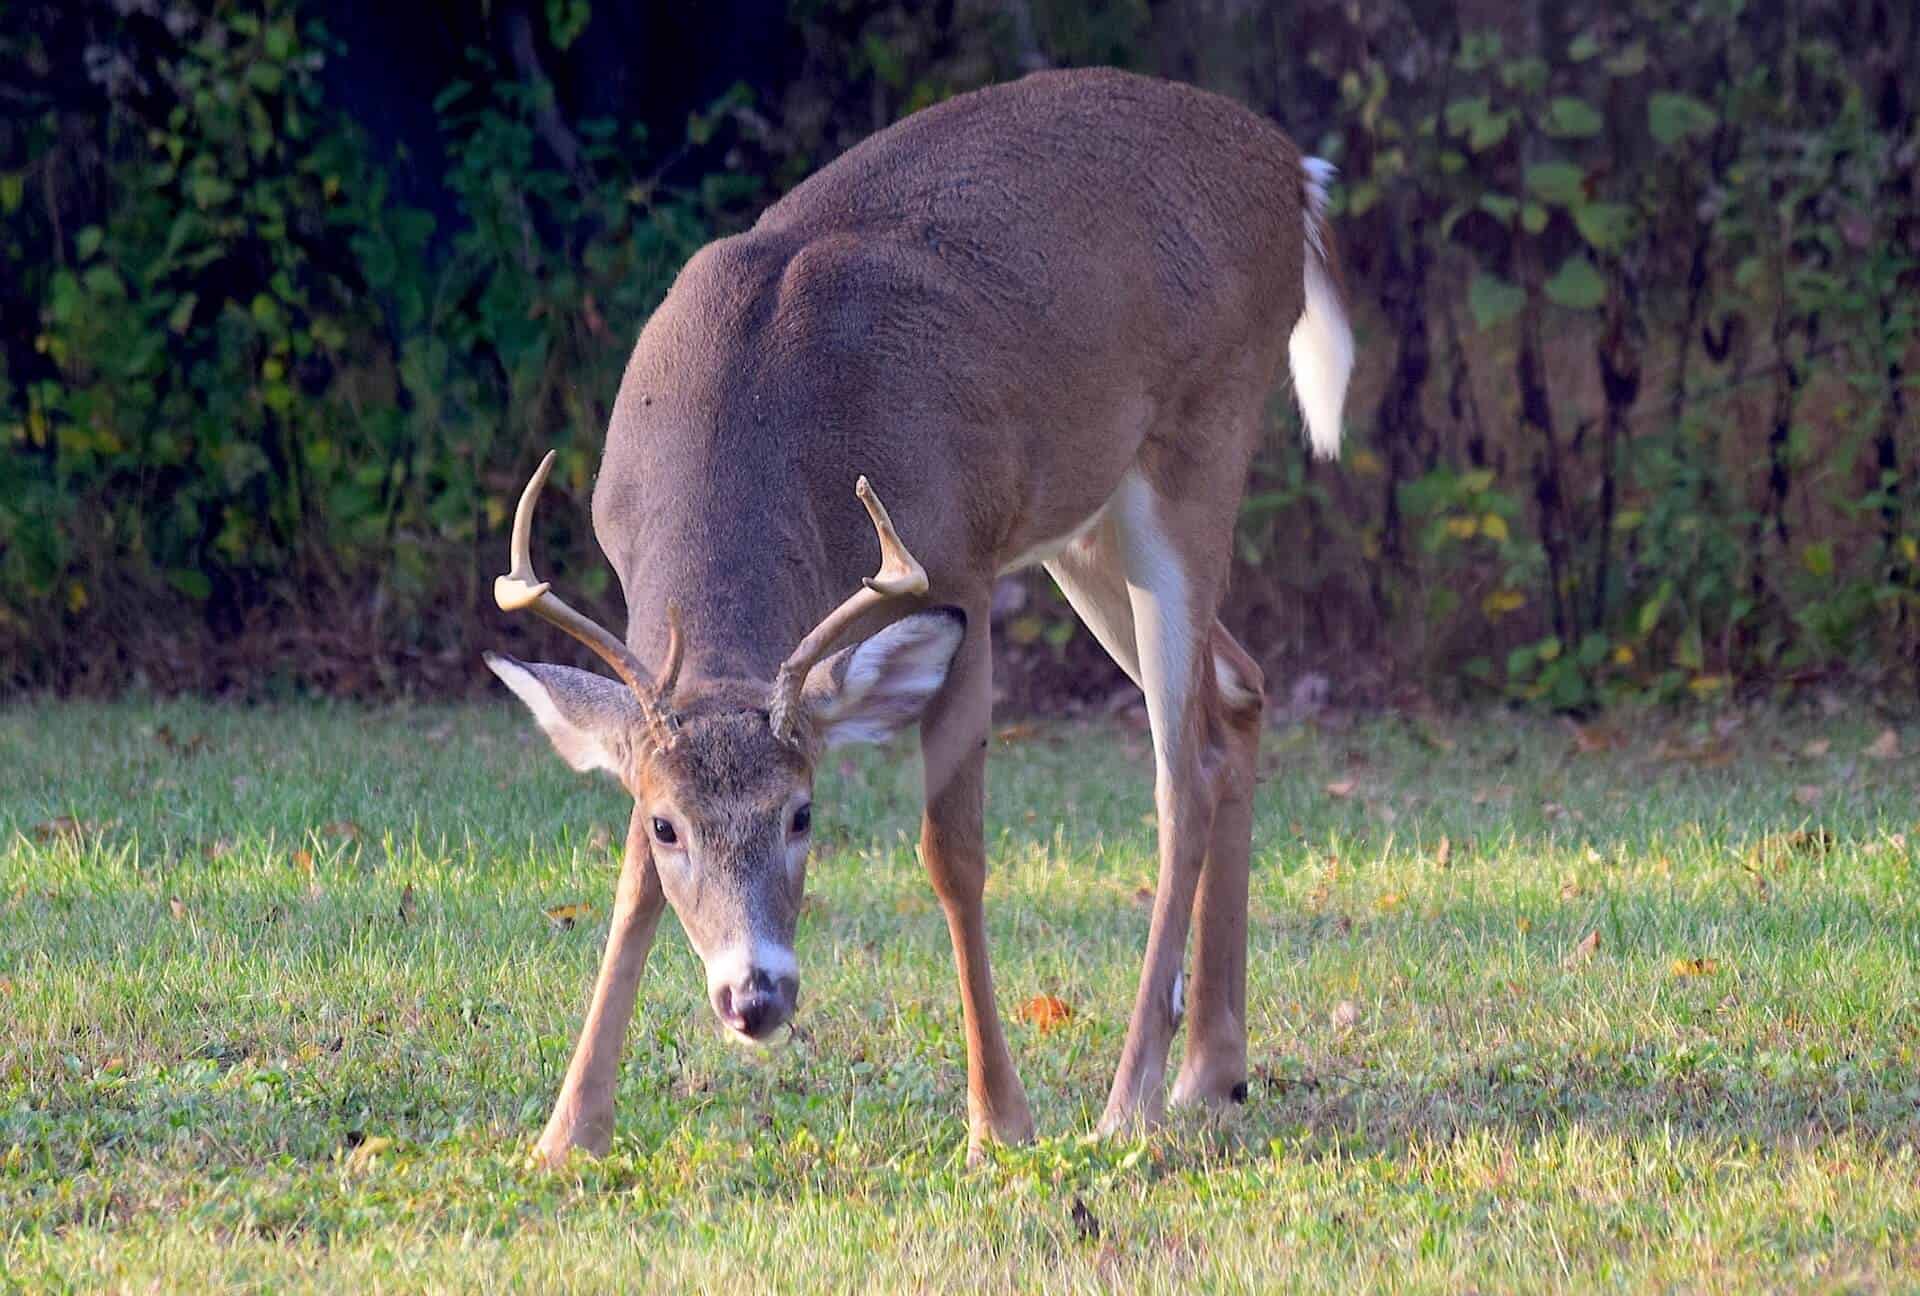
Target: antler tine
[
  {"x": 900, "y": 577},
  {"x": 521, "y": 590}
]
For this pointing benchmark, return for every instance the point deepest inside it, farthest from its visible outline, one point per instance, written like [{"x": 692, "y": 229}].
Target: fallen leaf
[
  {"x": 367, "y": 1151},
  {"x": 600, "y": 837},
  {"x": 1589, "y": 946},
  {"x": 563, "y": 917},
  {"x": 1143, "y": 896},
  {"x": 1808, "y": 794},
  {"x": 407, "y": 905},
  {"x": 1443, "y": 854},
  {"x": 184, "y": 748},
  {"x": 1817, "y": 748},
  {"x": 1570, "y": 889},
  {"x": 1046, "y": 1012},
  {"x": 344, "y": 830},
  {"x": 303, "y": 860},
  {"x": 177, "y": 907},
  {"x": 1885, "y": 747},
  {"x": 1695, "y": 967},
  {"x": 1342, "y": 789},
  {"x": 1020, "y": 732},
  {"x": 1346, "y": 1015},
  {"x": 1588, "y": 739},
  {"x": 58, "y": 826},
  {"x": 1388, "y": 902}
]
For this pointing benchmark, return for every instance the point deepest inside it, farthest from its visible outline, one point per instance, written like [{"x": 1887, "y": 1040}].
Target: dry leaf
[
  {"x": 58, "y": 826},
  {"x": 1885, "y": 747},
  {"x": 1388, "y": 902},
  {"x": 1046, "y": 1012},
  {"x": 599, "y": 838},
  {"x": 1817, "y": 748},
  {"x": 1570, "y": 889},
  {"x": 1588, "y": 739},
  {"x": 344, "y": 830},
  {"x": 1143, "y": 896},
  {"x": 407, "y": 905},
  {"x": 1808, "y": 794},
  {"x": 303, "y": 860},
  {"x": 367, "y": 1151},
  {"x": 563, "y": 917},
  {"x": 1020, "y": 732},
  {"x": 1342, "y": 789},
  {"x": 177, "y": 907},
  {"x": 190, "y": 747},
  {"x": 1589, "y": 946},
  {"x": 1346, "y": 1015},
  {"x": 1443, "y": 854},
  {"x": 1695, "y": 967}
]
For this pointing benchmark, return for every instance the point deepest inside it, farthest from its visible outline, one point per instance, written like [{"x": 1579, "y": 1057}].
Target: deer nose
[{"x": 758, "y": 1005}]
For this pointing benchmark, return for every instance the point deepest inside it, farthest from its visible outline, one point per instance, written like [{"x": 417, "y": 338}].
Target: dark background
[{"x": 295, "y": 292}]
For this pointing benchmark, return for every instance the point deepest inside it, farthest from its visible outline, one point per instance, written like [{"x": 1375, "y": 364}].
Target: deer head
[{"x": 722, "y": 770}]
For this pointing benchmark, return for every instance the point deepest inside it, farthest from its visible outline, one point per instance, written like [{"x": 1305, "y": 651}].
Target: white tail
[{"x": 1321, "y": 348}]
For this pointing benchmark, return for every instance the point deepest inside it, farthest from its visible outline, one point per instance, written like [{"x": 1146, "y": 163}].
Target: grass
[{"x": 1525, "y": 1016}]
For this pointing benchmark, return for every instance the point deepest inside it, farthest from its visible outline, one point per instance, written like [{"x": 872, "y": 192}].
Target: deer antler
[
  {"x": 520, "y": 590},
  {"x": 900, "y": 577}
]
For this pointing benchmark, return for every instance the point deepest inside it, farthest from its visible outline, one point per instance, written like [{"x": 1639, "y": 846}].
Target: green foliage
[
  {"x": 1635, "y": 285},
  {"x": 266, "y": 386}
]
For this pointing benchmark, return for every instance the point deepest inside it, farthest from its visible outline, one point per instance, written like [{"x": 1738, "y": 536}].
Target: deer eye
[
  {"x": 663, "y": 832},
  {"x": 802, "y": 819}
]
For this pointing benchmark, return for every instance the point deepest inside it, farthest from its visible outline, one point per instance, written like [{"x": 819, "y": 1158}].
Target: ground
[{"x": 1533, "y": 1007}]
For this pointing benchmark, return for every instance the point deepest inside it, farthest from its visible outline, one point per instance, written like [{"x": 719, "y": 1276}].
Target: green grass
[{"x": 1451, "y": 1090}]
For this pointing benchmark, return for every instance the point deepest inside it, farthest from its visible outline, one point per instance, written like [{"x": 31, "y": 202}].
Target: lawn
[{"x": 281, "y": 1006}]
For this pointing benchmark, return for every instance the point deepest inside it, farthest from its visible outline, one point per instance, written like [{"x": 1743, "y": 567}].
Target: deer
[{"x": 1035, "y": 324}]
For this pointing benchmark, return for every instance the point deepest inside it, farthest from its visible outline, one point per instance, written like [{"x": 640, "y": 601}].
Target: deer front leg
[
  {"x": 583, "y": 1113},
  {"x": 953, "y": 739}
]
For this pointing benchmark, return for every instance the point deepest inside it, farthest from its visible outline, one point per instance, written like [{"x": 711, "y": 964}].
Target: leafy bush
[
  {"x": 270, "y": 425},
  {"x": 1635, "y": 412}
]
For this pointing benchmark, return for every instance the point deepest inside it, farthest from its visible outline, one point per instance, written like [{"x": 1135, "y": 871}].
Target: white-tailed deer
[{"x": 1042, "y": 321}]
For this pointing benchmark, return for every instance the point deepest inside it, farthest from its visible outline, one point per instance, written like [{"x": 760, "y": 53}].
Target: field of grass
[{"x": 1532, "y": 1008}]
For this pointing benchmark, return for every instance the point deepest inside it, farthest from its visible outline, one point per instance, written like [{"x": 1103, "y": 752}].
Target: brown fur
[{"x": 996, "y": 310}]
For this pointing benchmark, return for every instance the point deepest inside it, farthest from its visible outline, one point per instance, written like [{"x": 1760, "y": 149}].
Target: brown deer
[{"x": 1041, "y": 322}]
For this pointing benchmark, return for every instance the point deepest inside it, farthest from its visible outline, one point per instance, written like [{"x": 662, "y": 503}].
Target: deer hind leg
[
  {"x": 953, "y": 741},
  {"x": 1214, "y": 1070},
  {"x": 1150, "y": 604},
  {"x": 583, "y": 1112}
]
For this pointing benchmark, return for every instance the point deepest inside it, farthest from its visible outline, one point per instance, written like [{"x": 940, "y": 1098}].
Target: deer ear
[
  {"x": 870, "y": 691},
  {"x": 588, "y": 717}
]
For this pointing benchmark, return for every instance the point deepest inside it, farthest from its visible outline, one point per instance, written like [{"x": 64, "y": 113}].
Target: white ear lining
[
  {"x": 889, "y": 678},
  {"x": 578, "y": 747},
  {"x": 913, "y": 655}
]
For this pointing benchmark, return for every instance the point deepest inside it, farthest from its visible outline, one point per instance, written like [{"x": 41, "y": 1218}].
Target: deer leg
[
  {"x": 953, "y": 742},
  {"x": 1215, "y": 1067},
  {"x": 583, "y": 1113},
  {"x": 1171, "y": 597}
]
